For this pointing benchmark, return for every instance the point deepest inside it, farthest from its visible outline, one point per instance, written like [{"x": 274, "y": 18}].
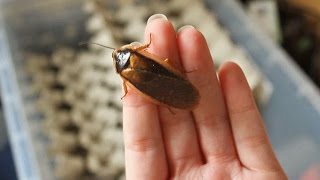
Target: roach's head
[{"x": 121, "y": 58}]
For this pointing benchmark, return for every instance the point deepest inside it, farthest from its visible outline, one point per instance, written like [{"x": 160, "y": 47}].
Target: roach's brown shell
[{"x": 154, "y": 78}]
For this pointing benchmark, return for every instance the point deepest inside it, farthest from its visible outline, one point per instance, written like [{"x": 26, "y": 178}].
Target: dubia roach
[{"x": 154, "y": 78}]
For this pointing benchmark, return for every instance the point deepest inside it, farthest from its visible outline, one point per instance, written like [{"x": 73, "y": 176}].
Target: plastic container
[
  {"x": 292, "y": 116},
  {"x": 20, "y": 25},
  {"x": 7, "y": 169}
]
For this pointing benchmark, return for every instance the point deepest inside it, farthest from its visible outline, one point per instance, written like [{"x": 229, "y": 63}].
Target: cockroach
[{"x": 153, "y": 78}]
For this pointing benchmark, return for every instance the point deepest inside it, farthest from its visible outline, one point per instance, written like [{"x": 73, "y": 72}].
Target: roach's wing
[{"x": 166, "y": 90}]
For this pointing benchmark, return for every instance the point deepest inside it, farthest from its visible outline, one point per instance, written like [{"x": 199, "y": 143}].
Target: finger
[
  {"x": 163, "y": 39},
  {"x": 178, "y": 129},
  {"x": 144, "y": 146},
  {"x": 210, "y": 116},
  {"x": 252, "y": 144}
]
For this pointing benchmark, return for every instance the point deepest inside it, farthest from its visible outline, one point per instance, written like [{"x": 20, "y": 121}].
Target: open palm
[{"x": 223, "y": 138}]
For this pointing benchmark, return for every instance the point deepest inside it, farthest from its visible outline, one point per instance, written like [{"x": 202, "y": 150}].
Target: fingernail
[
  {"x": 157, "y": 16},
  {"x": 186, "y": 27}
]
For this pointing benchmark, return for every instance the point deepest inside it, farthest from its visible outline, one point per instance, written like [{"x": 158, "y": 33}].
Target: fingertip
[
  {"x": 163, "y": 38},
  {"x": 156, "y": 16},
  {"x": 228, "y": 66},
  {"x": 158, "y": 25},
  {"x": 231, "y": 72},
  {"x": 191, "y": 36},
  {"x": 193, "y": 50},
  {"x": 186, "y": 27},
  {"x": 235, "y": 88}
]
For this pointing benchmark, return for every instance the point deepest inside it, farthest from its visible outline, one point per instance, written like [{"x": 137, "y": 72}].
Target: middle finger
[{"x": 178, "y": 129}]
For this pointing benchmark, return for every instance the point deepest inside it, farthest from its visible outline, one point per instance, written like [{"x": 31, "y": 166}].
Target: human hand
[{"x": 223, "y": 138}]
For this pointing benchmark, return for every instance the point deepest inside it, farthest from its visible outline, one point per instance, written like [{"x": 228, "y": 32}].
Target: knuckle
[
  {"x": 141, "y": 144},
  {"x": 203, "y": 83},
  {"x": 254, "y": 141},
  {"x": 242, "y": 110},
  {"x": 212, "y": 120}
]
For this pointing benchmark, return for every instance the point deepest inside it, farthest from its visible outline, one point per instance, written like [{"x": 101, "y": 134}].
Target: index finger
[{"x": 144, "y": 148}]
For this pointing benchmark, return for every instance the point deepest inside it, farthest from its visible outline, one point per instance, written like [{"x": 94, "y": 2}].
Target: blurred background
[{"x": 60, "y": 110}]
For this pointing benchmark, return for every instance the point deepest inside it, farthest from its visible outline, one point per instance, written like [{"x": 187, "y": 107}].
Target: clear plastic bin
[
  {"x": 292, "y": 116},
  {"x": 32, "y": 25}
]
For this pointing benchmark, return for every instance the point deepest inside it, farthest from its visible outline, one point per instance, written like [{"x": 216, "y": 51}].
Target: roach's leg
[
  {"x": 147, "y": 45},
  {"x": 144, "y": 46},
  {"x": 125, "y": 90}
]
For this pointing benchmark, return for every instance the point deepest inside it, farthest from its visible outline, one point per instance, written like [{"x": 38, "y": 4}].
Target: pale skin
[{"x": 222, "y": 138}]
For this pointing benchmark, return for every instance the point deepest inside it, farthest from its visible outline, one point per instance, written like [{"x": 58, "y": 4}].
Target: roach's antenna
[{"x": 81, "y": 44}]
